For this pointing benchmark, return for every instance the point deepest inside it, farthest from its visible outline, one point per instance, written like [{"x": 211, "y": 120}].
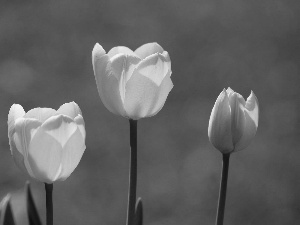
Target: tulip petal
[
  {"x": 108, "y": 85},
  {"x": 104, "y": 78},
  {"x": 46, "y": 148},
  {"x": 251, "y": 112},
  {"x": 237, "y": 103},
  {"x": 17, "y": 156},
  {"x": 120, "y": 49},
  {"x": 122, "y": 67},
  {"x": 60, "y": 127},
  {"x": 154, "y": 67},
  {"x": 252, "y": 107},
  {"x": 45, "y": 157},
  {"x": 72, "y": 153},
  {"x": 219, "y": 128},
  {"x": 162, "y": 94},
  {"x": 229, "y": 92},
  {"x": 25, "y": 130},
  {"x": 80, "y": 123},
  {"x": 41, "y": 114},
  {"x": 97, "y": 53},
  {"x": 148, "y": 49},
  {"x": 16, "y": 111},
  {"x": 70, "y": 109},
  {"x": 143, "y": 88}
]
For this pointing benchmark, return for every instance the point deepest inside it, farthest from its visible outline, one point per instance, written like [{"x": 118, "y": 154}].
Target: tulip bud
[
  {"x": 133, "y": 84},
  {"x": 45, "y": 143},
  {"x": 233, "y": 121}
]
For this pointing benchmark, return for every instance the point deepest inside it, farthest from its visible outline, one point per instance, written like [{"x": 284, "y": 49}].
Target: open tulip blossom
[
  {"x": 233, "y": 121},
  {"x": 45, "y": 143},
  {"x": 133, "y": 84}
]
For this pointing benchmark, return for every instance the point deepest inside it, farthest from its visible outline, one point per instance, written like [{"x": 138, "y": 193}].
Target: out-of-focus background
[{"x": 45, "y": 61}]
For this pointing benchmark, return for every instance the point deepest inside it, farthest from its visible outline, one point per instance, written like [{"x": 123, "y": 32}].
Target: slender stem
[
  {"x": 49, "y": 203},
  {"x": 223, "y": 188},
  {"x": 132, "y": 172}
]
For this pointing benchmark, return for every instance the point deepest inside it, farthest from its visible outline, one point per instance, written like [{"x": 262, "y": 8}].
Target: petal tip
[
  {"x": 98, "y": 50},
  {"x": 224, "y": 93},
  {"x": 17, "y": 110},
  {"x": 70, "y": 109},
  {"x": 155, "y": 43},
  {"x": 252, "y": 95},
  {"x": 148, "y": 49},
  {"x": 229, "y": 91}
]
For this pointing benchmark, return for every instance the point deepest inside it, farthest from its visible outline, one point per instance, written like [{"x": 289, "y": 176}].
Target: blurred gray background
[{"x": 45, "y": 61}]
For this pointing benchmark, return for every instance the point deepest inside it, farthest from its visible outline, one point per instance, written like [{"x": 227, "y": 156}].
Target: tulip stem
[
  {"x": 49, "y": 203},
  {"x": 132, "y": 172},
  {"x": 223, "y": 188}
]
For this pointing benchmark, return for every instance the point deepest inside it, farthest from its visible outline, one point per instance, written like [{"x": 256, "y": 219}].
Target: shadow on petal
[
  {"x": 154, "y": 67},
  {"x": 81, "y": 125},
  {"x": 72, "y": 153},
  {"x": 44, "y": 157},
  {"x": 60, "y": 127},
  {"x": 144, "y": 97},
  {"x": 248, "y": 132}
]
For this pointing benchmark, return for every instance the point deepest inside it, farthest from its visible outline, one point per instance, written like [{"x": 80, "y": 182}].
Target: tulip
[
  {"x": 133, "y": 84},
  {"x": 233, "y": 121},
  {"x": 232, "y": 125},
  {"x": 45, "y": 143}
]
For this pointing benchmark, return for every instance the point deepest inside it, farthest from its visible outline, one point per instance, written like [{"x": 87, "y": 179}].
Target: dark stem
[
  {"x": 132, "y": 172},
  {"x": 223, "y": 188},
  {"x": 49, "y": 203}
]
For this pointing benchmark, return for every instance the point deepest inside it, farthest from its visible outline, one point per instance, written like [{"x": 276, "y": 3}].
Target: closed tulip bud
[
  {"x": 233, "y": 121},
  {"x": 133, "y": 84},
  {"x": 45, "y": 143}
]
